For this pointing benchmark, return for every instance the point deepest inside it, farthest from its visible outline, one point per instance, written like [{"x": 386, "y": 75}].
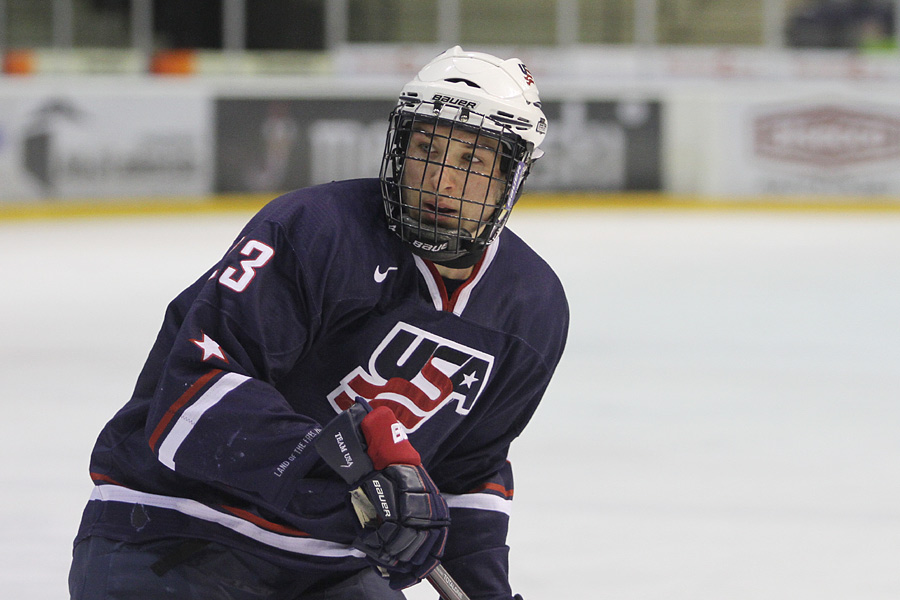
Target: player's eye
[
  {"x": 425, "y": 147},
  {"x": 485, "y": 158}
]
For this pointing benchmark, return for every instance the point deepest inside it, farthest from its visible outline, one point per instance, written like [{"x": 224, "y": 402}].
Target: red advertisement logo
[{"x": 827, "y": 136}]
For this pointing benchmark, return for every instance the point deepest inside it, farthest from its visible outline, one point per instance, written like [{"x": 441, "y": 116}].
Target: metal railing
[{"x": 63, "y": 23}]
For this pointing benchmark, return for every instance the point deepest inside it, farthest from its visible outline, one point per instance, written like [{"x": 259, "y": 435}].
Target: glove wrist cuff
[{"x": 387, "y": 441}]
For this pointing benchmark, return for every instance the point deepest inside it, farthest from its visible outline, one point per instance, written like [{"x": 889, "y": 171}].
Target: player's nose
[{"x": 446, "y": 177}]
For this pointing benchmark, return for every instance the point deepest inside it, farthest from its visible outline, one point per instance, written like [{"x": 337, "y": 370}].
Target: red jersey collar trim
[{"x": 460, "y": 298}]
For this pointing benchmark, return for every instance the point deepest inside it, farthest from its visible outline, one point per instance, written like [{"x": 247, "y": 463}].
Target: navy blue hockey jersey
[{"x": 315, "y": 303}]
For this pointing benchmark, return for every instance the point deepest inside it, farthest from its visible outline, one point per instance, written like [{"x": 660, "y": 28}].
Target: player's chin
[{"x": 449, "y": 223}]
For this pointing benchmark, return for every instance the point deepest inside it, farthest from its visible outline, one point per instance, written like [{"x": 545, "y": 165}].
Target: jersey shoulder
[
  {"x": 335, "y": 235},
  {"x": 333, "y": 221},
  {"x": 529, "y": 276},
  {"x": 525, "y": 298},
  {"x": 339, "y": 205}
]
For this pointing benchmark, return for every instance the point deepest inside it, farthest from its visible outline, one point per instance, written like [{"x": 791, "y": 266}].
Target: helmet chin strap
[
  {"x": 465, "y": 261},
  {"x": 454, "y": 255}
]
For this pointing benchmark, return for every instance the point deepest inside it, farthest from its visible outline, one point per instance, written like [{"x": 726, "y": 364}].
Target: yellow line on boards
[
  {"x": 656, "y": 201},
  {"x": 63, "y": 209}
]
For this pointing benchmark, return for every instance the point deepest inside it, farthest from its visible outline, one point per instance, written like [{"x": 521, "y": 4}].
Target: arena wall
[{"x": 709, "y": 125}]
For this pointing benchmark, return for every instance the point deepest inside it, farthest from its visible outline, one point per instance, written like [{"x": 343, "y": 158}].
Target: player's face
[{"x": 454, "y": 182}]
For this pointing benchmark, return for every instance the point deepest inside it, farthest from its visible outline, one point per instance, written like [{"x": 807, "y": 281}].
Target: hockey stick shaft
[
  {"x": 439, "y": 578},
  {"x": 445, "y": 585}
]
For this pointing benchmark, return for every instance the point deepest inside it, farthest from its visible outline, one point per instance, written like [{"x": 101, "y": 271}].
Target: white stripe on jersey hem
[
  {"x": 479, "y": 502},
  {"x": 308, "y": 546},
  {"x": 192, "y": 414}
]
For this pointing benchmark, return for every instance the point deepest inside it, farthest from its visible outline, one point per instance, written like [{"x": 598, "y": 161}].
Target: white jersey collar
[{"x": 459, "y": 300}]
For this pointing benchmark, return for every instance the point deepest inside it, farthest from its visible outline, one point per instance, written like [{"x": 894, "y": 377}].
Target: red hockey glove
[{"x": 405, "y": 518}]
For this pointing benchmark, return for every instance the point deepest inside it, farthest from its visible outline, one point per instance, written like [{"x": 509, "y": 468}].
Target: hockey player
[{"x": 387, "y": 337}]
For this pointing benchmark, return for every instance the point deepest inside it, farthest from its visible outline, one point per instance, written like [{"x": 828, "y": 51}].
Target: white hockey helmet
[{"x": 468, "y": 92}]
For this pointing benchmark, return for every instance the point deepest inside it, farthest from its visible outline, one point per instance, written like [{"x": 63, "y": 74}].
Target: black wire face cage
[{"x": 449, "y": 183}]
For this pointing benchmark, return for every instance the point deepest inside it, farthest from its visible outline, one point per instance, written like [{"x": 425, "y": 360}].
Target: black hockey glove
[{"x": 404, "y": 516}]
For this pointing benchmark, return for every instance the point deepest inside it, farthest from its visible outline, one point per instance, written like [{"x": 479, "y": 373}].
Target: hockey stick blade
[{"x": 439, "y": 578}]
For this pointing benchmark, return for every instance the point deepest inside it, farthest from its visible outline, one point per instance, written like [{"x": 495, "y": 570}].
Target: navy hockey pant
[{"x": 104, "y": 569}]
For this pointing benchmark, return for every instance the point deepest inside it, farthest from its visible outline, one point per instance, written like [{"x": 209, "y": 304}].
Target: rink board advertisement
[
  {"x": 282, "y": 144},
  {"x": 804, "y": 147},
  {"x": 274, "y": 144},
  {"x": 104, "y": 145}
]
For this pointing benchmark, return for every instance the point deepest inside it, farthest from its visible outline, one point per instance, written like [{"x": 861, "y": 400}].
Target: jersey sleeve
[
  {"x": 476, "y": 554},
  {"x": 216, "y": 415},
  {"x": 475, "y": 476},
  {"x": 477, "y": 481}
]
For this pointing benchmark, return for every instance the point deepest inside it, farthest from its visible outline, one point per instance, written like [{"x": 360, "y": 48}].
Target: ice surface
[{"x": 725, "y": 423}]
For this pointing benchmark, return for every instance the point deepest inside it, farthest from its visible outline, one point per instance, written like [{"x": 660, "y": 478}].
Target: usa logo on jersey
[{"x": 416, "y": 373}]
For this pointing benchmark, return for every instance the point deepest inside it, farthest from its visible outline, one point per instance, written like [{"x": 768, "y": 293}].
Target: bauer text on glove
[{"x": 404, "y": 515}]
